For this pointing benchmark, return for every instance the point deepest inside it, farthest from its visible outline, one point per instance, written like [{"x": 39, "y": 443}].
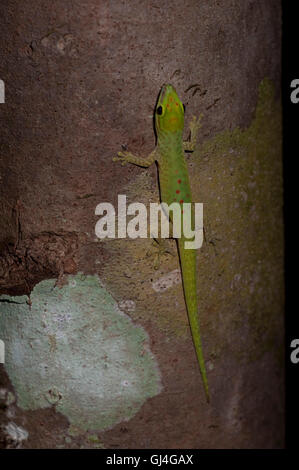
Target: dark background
[{"x": 290, "y": 71}]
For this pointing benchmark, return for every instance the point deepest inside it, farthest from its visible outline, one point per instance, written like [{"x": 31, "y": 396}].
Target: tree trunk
[{"x": 98, "y": 351}]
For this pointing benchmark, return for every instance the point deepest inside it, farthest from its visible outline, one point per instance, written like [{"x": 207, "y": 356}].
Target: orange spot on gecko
[
  {"x": 179, "y": 181},
  {"x": 178, "y": 191},
  {"x": 176, "y": 103},
  {"x": 181, "y": 201}
]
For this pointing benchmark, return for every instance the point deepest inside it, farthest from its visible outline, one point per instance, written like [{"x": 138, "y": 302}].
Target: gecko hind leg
[{"x": 162, "y": 247}]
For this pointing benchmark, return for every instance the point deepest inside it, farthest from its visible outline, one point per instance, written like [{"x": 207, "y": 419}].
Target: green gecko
[{"x": 175, "y": 187}]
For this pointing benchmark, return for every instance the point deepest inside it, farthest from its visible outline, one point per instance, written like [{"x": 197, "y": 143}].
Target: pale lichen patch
[{"x": 99, "y": 370}]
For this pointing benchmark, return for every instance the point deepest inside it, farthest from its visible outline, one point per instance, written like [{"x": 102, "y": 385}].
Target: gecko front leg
[
  {"x": 194, "y": 127},
  {"x": 128, "y": 157}
]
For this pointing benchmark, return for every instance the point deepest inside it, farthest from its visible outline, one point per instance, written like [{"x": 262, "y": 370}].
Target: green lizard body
[{"x": 175, "y": 187}]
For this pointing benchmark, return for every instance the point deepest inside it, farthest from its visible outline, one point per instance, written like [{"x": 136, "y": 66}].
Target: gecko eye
[{"x": 159, "y": 110}]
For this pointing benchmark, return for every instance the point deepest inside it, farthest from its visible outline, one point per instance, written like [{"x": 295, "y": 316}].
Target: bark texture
[{"x": 81, "y": 81}]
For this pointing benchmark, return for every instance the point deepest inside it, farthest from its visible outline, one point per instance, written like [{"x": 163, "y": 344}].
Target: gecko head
[{"x": 169, "y": 112}]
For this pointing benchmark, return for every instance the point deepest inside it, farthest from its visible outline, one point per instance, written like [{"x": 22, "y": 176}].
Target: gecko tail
[{"x": 188, "y": 266}]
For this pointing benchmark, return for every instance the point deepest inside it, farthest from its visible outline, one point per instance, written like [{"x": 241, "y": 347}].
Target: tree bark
[{"x": 81, "y": 81}]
